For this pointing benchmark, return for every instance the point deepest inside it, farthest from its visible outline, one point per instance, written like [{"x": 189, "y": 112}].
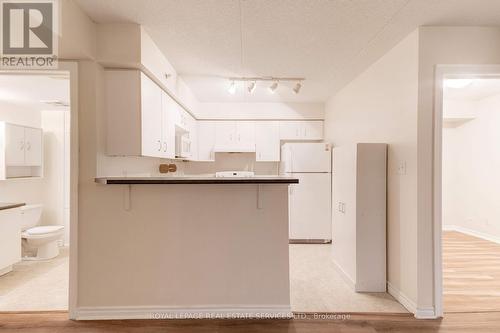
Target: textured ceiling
[{"x": 328, "y": 42}]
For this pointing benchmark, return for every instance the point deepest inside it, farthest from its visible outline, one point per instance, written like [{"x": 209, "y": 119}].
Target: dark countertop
[
  {"x": 196, "y": 180},
  {"x": 4, "y": 205}
]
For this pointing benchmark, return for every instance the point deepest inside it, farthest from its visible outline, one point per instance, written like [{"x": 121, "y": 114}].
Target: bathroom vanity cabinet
[{"x": 10, "y": 236}]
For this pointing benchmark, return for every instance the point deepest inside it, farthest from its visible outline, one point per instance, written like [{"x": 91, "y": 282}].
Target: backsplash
[{"x": 109, "y": 166}]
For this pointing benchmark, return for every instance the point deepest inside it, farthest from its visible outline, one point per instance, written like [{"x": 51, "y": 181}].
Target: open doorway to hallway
[
  {"x": 34, "y": 191},
  {"x": 470, "y": 192}
]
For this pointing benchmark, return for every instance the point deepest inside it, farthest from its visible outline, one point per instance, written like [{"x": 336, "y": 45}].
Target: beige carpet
[
  {"x": 316, "y": 286},
  {"x": 36, "y": 285}
]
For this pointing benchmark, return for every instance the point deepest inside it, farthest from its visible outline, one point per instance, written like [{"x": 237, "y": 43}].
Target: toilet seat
[{"x": 42, "y": 231}]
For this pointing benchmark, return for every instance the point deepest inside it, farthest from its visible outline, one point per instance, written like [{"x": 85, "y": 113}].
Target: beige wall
[
  {"x": 470, "y": 169},
  {"x": 380, "y": 106},
  {"x": 440, "y": 45}
]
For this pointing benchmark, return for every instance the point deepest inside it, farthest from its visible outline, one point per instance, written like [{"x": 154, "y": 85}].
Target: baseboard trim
[
  {"x": 196, "y": 312},
  {"x": 425, "y": 313},
  {"x": 344, "y": 275},
  {"x": 402, "y": 298},
  {"x": 474, "y": 233}
]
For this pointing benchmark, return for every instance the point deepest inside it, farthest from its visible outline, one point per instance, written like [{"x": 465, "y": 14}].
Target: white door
[
  {"x": 33, "y": 146},
  {"x": 152, "y": 144},
  {"x": 225, "y": 132},
  {"x": 310, "y": 207},
  {"x": 14, "y": 154},
  {"x": 245, "y": 134},
  {"x": 290, "y": 130},
  {"x": 206, "y": 140},
  {"x": 312, "y": 130},
  {"x": 267, "y": 141}
]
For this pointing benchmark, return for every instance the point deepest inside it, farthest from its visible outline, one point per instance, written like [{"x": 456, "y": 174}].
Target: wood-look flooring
[
  {"x": 485, "y": 322},
  {"x": 471, "y": 274}
]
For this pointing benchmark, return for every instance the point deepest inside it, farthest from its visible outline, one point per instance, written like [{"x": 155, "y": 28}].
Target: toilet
[{"x": 38, "y": 242}]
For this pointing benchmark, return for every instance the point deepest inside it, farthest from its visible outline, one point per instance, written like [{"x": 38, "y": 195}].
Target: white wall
[
  {"x": 261, "y": 111},
  {"x": 471, "y": 160},
  {"x": 440, "y": 45},
  {"x": 380, "y": 105},
  {"x": 56, "y": 164}
]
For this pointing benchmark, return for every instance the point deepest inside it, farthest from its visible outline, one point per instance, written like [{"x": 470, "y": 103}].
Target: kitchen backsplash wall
[{"x": 109, "y": 166}]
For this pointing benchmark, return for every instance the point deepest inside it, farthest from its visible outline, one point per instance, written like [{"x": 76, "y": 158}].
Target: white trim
[
  {"x": 405, "y": 301},
  {"x": 442, "y": 72},
  {"x": 344, "y": 275},
  {"x": 426, "y": 313},
  {"x": 194, "y": 312},
  {"x": 474, "y": 233}
]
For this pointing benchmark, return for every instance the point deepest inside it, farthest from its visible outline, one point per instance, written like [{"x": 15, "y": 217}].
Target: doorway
[
  {"x": 470, "y": 191},
  {"x": 43, "y": 106}
]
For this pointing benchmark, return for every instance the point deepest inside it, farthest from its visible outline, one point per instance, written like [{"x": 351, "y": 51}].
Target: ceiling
[
  {"x": 328, "y": 42},
  {"x": 476, "y": 90},
  {"x": 28, "y": 91}
]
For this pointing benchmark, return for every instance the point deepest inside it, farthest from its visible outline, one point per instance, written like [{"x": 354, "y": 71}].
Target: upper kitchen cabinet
[
  {"x": 137, "y": 116},
  {"x": 206, "y": 140},
  {"x": 301, "y": 130},
  {"x": 234, "y": 136},
  {"x": 21, "y": 151},
  {"x": 267, "y": 141}
]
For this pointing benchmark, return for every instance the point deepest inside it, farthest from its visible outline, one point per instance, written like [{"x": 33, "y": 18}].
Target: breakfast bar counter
[{"x": 225, "y": 237}]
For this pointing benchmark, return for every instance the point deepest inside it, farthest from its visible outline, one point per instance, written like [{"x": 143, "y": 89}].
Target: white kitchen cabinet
[
  {"x": 151, "y": 119},
  {"x": 359, "y": 214},
  {"x": 169, "y": 117},
  {"x": 206, "y": 140},
  {"x": 267, "y": 141},
  {"x": 21, "y": 151},
  {"x": 301, "y": 130},
  {"x": 10, "y": 239},
  {"x": 235, "y": 136},
  {"x": 138, "y": 116}
]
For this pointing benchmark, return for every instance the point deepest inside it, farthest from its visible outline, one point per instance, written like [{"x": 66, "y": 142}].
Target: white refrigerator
[{"x": 310, "y": 201}]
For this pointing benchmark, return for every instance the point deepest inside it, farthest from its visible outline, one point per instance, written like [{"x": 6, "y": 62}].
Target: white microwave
[{"x": 183, "y": 146}]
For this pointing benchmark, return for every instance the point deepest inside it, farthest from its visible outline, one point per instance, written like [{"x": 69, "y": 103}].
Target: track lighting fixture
[
  {"x": 232, "y": 88},
  {"x": 273, "y": 87},
  {"x": 251, "y": 83},
  {"x": 251, "y": 86},
  {"x": 297, "y": 87}
]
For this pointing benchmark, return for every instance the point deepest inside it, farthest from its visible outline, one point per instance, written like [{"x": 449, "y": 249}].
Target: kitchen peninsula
[{"x": 227, "y": 238}]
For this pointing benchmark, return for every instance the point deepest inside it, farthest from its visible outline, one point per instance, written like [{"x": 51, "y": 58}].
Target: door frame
[
  {"x": 70, "y": 67},
  {"x": 446, "y": 72}
]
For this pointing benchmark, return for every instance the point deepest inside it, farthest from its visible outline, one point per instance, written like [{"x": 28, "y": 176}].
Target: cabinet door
[
  {"x": 151, "y": 118},
  {"x": 15, "y": 143},
  {"x": 169, "y": 116},
  {"x": 33, "y": 146},
  {"x": 225, "y": 132},
  {"x": 245, "y": 134},
  {"x": 290, "y": 130},
  {"x": 267, "y": 141},
  {"x": 193, "y": 135},
  {"x": 206, "y": 140},
  {"x": 312, "y": 130}
]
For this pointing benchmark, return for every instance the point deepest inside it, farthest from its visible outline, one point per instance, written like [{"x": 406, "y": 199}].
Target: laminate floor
[
  {"x": 317, "y": 286},
  {"x": 471, "y": 273},
  {"x": 485, "y": 322}
]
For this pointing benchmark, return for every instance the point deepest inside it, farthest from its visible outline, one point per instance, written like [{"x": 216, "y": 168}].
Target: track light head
[
  {"x": 232, "y": 88},
  {"x": 251, "y": 86},
  {"x": 273, "y": 87},
  {"x": 297, "y": 87}
]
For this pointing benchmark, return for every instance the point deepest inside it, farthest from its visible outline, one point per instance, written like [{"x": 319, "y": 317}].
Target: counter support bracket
[{"x": 127, "y": 198}]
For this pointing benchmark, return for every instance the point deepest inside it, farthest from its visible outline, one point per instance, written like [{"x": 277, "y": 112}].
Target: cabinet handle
[
  {"x": 165, "y": 149},
  {"x": 28, "y": 146},
  {"x": 159, "y": 142},
  {"x": 239, "y": 137}
]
